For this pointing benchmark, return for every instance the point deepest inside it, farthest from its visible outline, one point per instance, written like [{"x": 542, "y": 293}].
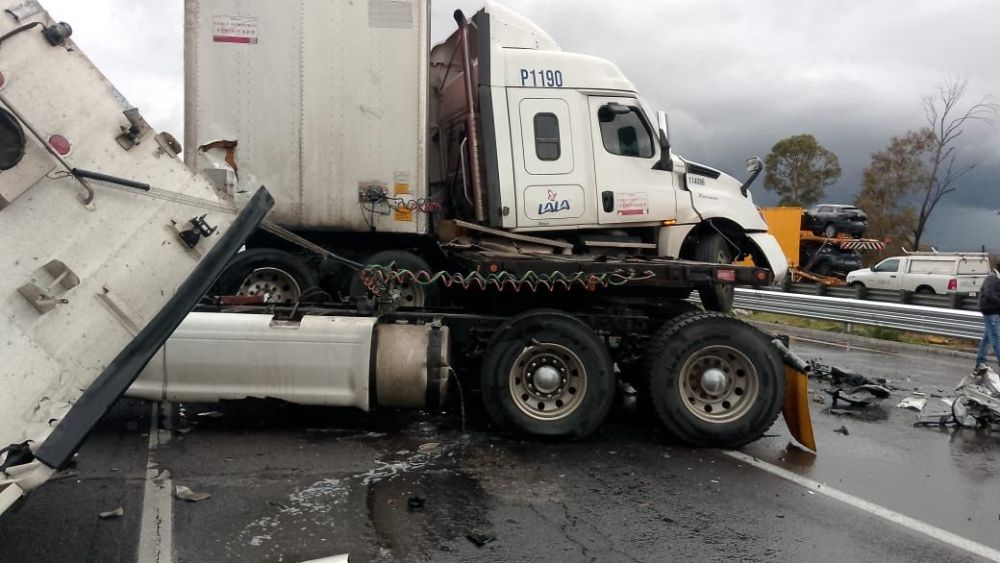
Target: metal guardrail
[
  {"x": 966, "y": 302},
  {"x": 956, "y": 323}
]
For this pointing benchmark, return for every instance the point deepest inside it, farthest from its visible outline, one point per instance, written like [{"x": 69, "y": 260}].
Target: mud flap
[{"x": 796, "y": 409}]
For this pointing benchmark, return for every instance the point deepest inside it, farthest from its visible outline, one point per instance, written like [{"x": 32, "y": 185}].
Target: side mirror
[
  {"x": 754, "y": 166},
  {"x": 663, "y": 126}
]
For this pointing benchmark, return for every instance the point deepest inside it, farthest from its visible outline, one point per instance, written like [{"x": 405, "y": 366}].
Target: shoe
[{"x": 980, "y": 370}]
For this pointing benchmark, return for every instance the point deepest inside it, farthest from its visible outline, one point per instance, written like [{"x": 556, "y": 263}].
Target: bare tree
[{"x": 947, "y": 122}]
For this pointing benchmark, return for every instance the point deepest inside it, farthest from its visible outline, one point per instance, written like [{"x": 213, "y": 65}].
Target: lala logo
[{"x": 553, "y": 205}]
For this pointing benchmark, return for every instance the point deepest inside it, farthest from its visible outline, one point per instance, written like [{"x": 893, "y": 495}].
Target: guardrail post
[
  {"x": 905, "y": 297},
  {"x": 957, "y": 300}
]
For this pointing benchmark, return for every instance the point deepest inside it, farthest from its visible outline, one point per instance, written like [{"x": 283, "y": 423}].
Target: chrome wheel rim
[
  {"x": 547, "y": 381},
  {"x": 276, "y": 284},
  {"x": 718, "y": 384}
]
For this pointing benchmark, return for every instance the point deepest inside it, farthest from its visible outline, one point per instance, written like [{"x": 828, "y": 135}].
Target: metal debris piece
[
  {"x": 843, "y": 430},
  {"x": 861, "y": 395},
  {"x": 184, "y": 493},
  {"x": 116, "y": 513},
  {"x": 842, "y": 412},
  {"x": 429, "y": 447},
  {"x": 913, "y": 403},
  {"x": 480, "y": 540},
  {"x": 211, "y": 414}
]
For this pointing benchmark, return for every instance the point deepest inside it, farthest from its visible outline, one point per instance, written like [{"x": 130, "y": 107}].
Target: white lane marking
[
  {"x": 156, "y": 532},
  {"x": 945, "y": 536}
]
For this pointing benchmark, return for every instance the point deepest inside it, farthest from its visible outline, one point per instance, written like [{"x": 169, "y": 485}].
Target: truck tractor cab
[{"x": 568, "y": 148}]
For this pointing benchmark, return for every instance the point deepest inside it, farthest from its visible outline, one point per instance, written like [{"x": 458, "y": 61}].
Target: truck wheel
[
  {"x": 715, "y": 249},
  {"x": 282, "y": 275},
  {"x": 547, "y": 373},
  {"x": 714, "y": 380},
  {"x": 411, "y": 293},
  {"x": 830, "y": 230}
]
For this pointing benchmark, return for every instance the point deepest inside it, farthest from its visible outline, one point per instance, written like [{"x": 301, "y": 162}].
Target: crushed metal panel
[{"x": 66, "y": 241}]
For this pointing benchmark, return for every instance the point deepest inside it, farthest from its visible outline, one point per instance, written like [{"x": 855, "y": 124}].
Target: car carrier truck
[{"x": 521, "y": 258}]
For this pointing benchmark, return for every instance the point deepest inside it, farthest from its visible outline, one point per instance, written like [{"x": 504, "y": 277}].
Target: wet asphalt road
[{"x": 292, "y": 484}]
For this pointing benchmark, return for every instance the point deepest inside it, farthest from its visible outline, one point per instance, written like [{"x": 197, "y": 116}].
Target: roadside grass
[{"x": 879, "y": 333}]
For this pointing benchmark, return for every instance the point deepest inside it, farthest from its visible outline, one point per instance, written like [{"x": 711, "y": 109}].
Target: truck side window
[
  {"x": 888, "y": 266},
  {"x": 547, "y": 137},
  {"x": 625, "y": 134}
]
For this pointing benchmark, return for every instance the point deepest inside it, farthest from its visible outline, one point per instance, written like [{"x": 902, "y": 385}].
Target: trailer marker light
[
  {"x": 494, "y": 268},
  {"x": 669, "y": 222},
  {"x": 761, "y": 276},
  {"x": 60, "y": 144},
  {"x": 726, "y": 275}
]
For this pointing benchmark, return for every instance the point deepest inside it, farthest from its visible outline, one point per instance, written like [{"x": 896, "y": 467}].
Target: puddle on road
[{"x": 369, "y": 513}]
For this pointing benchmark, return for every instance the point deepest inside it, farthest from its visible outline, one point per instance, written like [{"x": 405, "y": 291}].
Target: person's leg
[
  {"x": 993, "y": 329},
  {"x": 984, "y": 347}
]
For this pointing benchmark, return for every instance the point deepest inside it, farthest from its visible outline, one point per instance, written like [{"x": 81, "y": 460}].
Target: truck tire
[
  {"x": 281, "y": 274},
  {"x": 714, "y": 381},
  {"x": 715, "y": 249},
  {"x": 546, "y": 373},
  {"x": 411, "y": 294}
]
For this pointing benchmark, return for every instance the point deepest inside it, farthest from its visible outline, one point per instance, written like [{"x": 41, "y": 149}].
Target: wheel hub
[
  {"x": 714, "y": 381},
  {"x": 547, "y": 381},
  {"x": 278, "y": 286},
  {"x": 718, "y": 384}
]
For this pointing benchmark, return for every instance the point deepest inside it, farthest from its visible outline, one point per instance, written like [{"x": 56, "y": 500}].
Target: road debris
[
  {"x": 843, "y": 430},
  {"x": 184, "y": 493},
  {"x": 211, "y": 414},
  {"x": 429, "y": 447},
  {"x": 849, "y": 387},
  {"x": 913, "y": 403},
  {"x": 976, "y": 404},
  {"x": 480, "y": 540},
  {"x": 116, "y": 513},
  {"x": 333, "y": 559}
]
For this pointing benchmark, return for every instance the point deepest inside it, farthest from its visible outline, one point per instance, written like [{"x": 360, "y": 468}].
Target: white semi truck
[{"x": 529, "y": 288}]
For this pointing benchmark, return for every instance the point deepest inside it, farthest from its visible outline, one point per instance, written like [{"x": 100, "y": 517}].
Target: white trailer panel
[
  {"x": 322, "y": 97},
  {"x": 85, "y": 267}
]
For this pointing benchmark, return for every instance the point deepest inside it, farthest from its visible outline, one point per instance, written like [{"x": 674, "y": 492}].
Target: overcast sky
[{"x": 735, "y": 76}]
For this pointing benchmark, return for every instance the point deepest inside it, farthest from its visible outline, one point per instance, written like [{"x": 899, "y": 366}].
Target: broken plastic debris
[
  {"x": 184, "y": 493},
  {"x": 116, "y": 513},
  {"x": 913, "y": 403},
  {"x": 429, "y": 447}
]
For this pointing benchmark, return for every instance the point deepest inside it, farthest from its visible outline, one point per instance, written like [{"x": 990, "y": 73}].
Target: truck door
[
  {"x": 550, "y": 170},
  {"x": 887, "y": 274},
  {"x": 625, "y": 150}
]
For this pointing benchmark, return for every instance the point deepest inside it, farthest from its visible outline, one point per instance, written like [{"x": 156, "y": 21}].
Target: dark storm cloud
[{"x": 735, "y": 76}]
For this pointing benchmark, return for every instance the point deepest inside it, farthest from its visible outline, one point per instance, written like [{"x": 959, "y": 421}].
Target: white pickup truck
[{"x": 925, "y": 273}]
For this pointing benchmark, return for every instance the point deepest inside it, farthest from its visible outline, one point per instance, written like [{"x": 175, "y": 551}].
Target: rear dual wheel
[
  {"x": 546, "y": 373},
  {"x": 714, "y": 380}
]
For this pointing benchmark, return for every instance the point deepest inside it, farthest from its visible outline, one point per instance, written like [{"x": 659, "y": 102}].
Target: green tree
[
  {"x": 890, "y": 181},
  {"x": 799, "y": 169}
]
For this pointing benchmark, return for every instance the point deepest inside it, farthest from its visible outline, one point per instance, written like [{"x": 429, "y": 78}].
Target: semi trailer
[{"x": 111, "y": 241}]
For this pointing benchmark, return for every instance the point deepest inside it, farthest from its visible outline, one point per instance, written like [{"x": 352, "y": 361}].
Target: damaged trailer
[
  {"x": 110, "y": 242},
  {"x": 97, "y": 271}
]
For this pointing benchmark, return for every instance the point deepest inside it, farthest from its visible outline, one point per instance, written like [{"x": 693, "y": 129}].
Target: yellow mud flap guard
[{"x": 796, "y": 409}]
